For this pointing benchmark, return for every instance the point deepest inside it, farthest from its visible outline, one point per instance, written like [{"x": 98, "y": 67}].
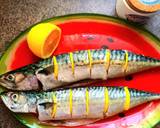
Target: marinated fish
[
  {"x": 75, "y": 66},
  {"x": 74, "y": 105}
]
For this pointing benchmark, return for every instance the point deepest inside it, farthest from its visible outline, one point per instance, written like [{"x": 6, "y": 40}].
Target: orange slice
[{"x": 43, "y": 39}]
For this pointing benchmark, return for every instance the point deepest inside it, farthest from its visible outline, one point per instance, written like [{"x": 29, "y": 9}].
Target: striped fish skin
[
  {"x": 72, "y": 67},
  {"x": 77, "y": 103}
]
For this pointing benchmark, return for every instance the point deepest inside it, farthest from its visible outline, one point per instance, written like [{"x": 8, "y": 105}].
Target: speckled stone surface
[{"x": 17, "y": 15}]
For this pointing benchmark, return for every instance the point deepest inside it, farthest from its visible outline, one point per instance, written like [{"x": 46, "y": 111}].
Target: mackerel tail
[
  {"x": 75, "y": 66},
  {"x": 137, "y": 63}
]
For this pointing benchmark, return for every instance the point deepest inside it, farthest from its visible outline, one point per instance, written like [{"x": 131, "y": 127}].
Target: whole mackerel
[
  {"x": 75, "y": 66},
  {"x": 77, "y": 106}
]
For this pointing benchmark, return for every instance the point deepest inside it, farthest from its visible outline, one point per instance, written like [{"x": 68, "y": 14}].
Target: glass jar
[{"x": 137, "y": 10}]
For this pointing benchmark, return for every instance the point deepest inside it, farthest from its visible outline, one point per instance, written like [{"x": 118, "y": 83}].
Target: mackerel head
[
  {"x": 25, "y": 102},
  {"x": 21, "y": 79},
  {"x": 25, "y": 78}
]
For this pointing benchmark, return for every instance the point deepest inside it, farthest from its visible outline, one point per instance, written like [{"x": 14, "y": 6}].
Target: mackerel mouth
[
  {"x": 5, "y": 85},
  {"x": 5, "y": 101}
]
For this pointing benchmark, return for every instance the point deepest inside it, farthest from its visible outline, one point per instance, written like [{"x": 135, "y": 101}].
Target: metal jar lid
[{"x": 147, "y": 6}]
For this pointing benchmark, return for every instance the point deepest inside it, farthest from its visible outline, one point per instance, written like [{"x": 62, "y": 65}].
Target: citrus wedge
[{"x": 43, "y": 39}]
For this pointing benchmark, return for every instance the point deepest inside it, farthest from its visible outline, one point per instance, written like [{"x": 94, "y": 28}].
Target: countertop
[{"x": 17, "y": 15}]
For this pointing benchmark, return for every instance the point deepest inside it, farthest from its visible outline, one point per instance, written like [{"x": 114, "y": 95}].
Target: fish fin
[{"x": 69, "y": 123}]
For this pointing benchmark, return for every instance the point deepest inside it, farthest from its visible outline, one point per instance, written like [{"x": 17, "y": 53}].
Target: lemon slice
[{"x": 43, "y": 39}]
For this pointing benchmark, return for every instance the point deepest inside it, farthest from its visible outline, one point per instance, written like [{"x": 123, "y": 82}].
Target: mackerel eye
[
  {"x": 15, "y": 97},
  {"x": 10, "y": 77}
]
